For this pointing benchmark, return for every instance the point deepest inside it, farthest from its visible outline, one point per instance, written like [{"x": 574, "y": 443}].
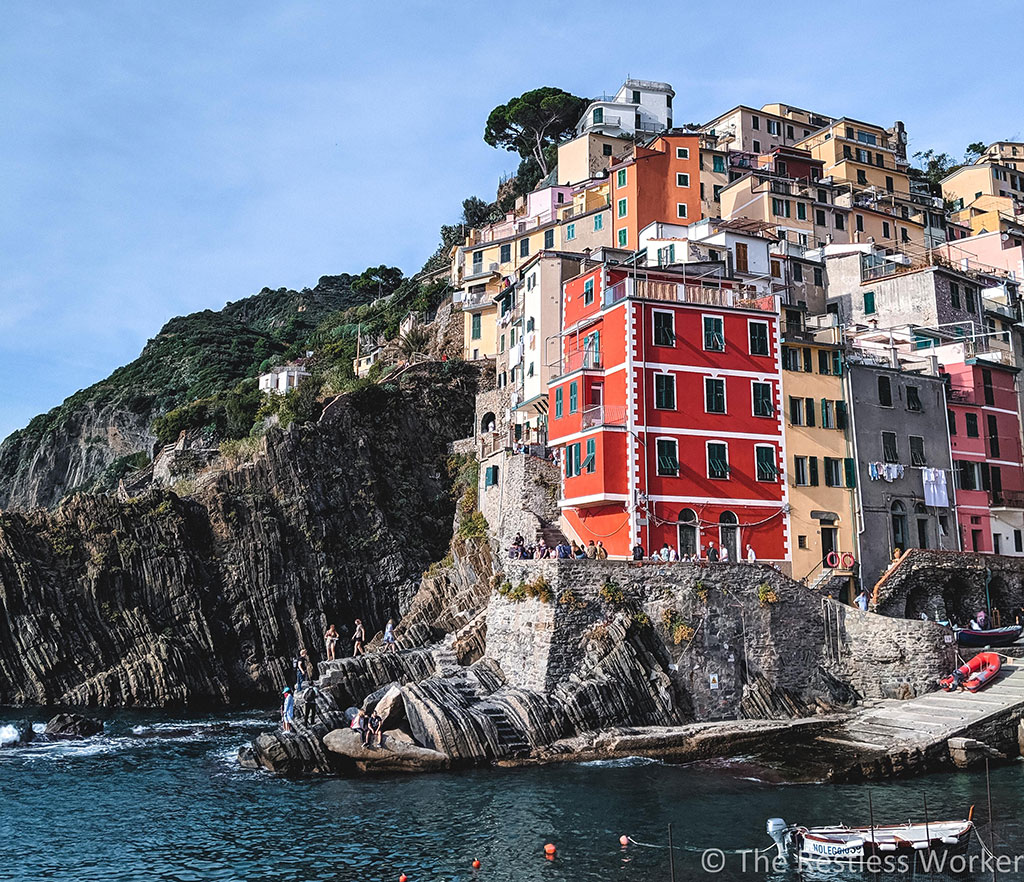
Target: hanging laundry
[{"x": 935, "y": 488}]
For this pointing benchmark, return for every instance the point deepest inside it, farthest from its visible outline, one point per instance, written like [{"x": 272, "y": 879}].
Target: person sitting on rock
[
  {"x": 358, "y": 724},
  {"x": 578, "y": 552},
  {"x": 564, "y": 550},
  {"x": 287, "y": 709},
  {"x": 373, "y": 731}
]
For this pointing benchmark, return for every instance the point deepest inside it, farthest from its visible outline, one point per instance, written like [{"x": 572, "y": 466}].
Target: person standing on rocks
[
  {"x": 358, "y": 638},
  {"x": 309, "y": 709},
  {"x": 288, "y": 709},
  {"x": 303, "y": 670},
  {"x": 389, "y": 637},
  {"x": 330, "y": 642}
]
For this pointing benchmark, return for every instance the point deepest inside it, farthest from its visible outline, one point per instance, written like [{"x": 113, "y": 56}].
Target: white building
[
  {"x": 281, "y": 380},
  {"x": 640, "y": 106}
]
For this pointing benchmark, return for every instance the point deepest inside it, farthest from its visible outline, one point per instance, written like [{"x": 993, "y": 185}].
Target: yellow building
[
  {"x": 984, "y": 178},
  {"x": 990, "y": 214},
  {"x": 714, "y": 174},
  {"x": 585, "y": 157},
  {"x": 822, "y": 474},
  {"x": 860, "y": 154}
]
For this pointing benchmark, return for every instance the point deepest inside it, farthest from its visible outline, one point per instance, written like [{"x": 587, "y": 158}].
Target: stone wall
[
  {"x": 882, "y": 657},
  {"x": 736, "y": 639}
]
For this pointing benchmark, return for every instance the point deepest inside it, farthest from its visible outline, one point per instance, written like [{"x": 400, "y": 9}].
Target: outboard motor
[{"x": 780, "y": 832}]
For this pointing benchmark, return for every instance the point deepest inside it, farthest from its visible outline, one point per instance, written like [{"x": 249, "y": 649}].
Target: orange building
[{"x": 659, "y": 182}]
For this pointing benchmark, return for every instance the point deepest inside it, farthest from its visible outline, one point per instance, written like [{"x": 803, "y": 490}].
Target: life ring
[
  {"x": 848, "y": 560},
  {"x": 832, "y": 560}
]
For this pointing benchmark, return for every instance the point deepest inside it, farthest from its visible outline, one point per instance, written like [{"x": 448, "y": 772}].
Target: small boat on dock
[
  {"x": 990, "y": 637},
  {"x": 844, "y": 844},
  {"x": 973, "y": 675}
]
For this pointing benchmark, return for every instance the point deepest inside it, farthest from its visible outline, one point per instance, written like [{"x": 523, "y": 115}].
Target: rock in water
[
  {"x": 72, "y": 726},
  {"x": 396, "y": 754}
]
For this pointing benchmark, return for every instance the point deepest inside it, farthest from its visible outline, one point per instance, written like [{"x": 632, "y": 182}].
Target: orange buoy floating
[
  {"x": 623, "y": 840},
  {"x": 403, "y": 878},
  {"x": 476, "y": 864},
  {"x": 550, "y": 849}
]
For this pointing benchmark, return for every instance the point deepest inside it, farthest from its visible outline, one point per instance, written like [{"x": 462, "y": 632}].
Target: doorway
[
  {"x": 829, "y": 542},
  {"x": 688, "y": 539},
  {"x": 728, "y": 535}
]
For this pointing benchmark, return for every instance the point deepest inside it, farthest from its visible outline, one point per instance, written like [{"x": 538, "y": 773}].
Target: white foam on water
[
  {"x": 624, "y": 762},
  {"x": 8, "y": 735}
]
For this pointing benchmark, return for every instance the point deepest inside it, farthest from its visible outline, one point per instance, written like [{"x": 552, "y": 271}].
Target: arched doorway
[
  {"x": 899, "y": 525},
  {"x": 689, "y": 539},
  {"x": 488, "y": 423},
  {"x": 729, "y": 534}
]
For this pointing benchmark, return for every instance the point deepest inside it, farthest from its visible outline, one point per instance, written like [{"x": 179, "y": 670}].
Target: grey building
[{"x": 900, "y": 431}]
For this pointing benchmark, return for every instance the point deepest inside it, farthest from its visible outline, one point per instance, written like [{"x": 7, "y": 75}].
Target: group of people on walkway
[
  {"x": 564, "y": 550},
  {"x": 331, "y": 637},
  {"x": 669, "y": 554}
]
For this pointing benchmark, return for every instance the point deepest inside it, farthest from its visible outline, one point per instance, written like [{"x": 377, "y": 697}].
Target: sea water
[{"x": 162, "y": 798}]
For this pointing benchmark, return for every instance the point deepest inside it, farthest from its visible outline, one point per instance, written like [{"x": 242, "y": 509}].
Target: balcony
[
  {"x": 682, "y": 292},
  {"x": 604, "y": 415},
  {"x": 1005, "y": 499},
  {"x": 581, "y": 359}
]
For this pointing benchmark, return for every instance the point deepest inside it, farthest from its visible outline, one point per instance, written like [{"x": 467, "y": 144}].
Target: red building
[
  {"x": 988, "y": 466},
  {"x": 666, "y": 409}
]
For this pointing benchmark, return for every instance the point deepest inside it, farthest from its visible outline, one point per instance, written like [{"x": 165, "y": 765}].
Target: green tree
[
  {"x": 476, "y": 212},
  {"x": 377, "y": 281},
  {"x": 933, "y": 167},
  {"x": 536, "y": 120},
  {"x": 974, "y": 150}
]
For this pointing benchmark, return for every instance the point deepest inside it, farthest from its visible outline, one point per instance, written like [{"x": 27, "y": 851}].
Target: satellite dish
[{"x": 1005, "y": 237}]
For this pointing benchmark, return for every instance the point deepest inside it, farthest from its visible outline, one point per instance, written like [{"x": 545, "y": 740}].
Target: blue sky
[{"x": 163, "y": 158}]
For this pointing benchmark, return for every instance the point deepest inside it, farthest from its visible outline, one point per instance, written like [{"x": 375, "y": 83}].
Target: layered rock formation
[{"x": 205, "y": 600}]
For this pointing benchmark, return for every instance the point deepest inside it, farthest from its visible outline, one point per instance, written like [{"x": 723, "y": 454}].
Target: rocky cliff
[{"x": 204, "y": 600}]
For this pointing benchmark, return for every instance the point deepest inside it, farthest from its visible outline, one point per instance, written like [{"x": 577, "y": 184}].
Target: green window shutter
[
  {"x": 824, "y": 412},
  {"x": 573, "y": 399},
  {"x": 558, "y": 403},
  {"x": 476, "y": 326},
  {"x": 869, "y": 302},
  {"x": 621, "y": 177},
  {"x": 812, "y": 470},
  {"x": 809, "y": 411},
  {"x": 841, "y": 415},
  {"x": 623, "y": 238}
]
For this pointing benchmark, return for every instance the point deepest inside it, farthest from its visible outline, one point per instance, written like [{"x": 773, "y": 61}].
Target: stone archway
[
  {"x": 924, "y": 599},
  {"x": 960, "y": 600},
  {"x": 488, "y": 423}
]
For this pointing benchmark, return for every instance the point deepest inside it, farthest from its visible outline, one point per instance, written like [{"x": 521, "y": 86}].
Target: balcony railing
[
  {"x": 582, "y": 359},
  {"x": 491, "y": 443},
  {"x": 1006, "y": 499},
  {"x": 682, "y": 292},
  {"x": 604, "y": 415}
]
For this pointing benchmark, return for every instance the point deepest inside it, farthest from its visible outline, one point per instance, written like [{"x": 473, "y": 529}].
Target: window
[
  {"x": 884, "y": 392},
  {"x": 588, "y": 292},
  {"x": 682, "y": 179},
  {"x": 773, "y": 127},
  {"x": 620, "y": 178},
  {"x": 491, "y": 476},
  {"x": 790, "y": 358},
  {"x": 808, "y": 366},
  {"x": 828, "y": 414},
  {"x": 680, "y": 209},
  {"x": 758, "y": 338},
  {"x": 570, "y": 233},
  {"x": 951, "y": 419},
  {"x": 824, "y": 361},
  {"x": 664, "y": 328},
  {"x": 682, "y": 152},
  {"x": 755, "y": 123},
  {"x": 798, "y": 272},
  {"x": 886, "y": 233},
  {"x": 742, "y": 257},
  {"x": 780, "y": 207},
  {"x": 598, "y": 116},
  {"x": 913, "y": 398},
  {"x": 622, "y": 208},
  {"x": 954, "y": 295},
  {"x": 993, "y": 435},
  {"x": 606, "y": 149},
  {"x": 573, "y": 398},
  {"x": 840, "y": 414},
  {"x": 967, "y": 475},
  {"x": 986, "y": 382},
  {"x": 714, "y": 395},
  {"x": 917, "y": 450},
  {"x": 971, "y": 424},
  {"x": 668, "y": 457},
  {"x": 850, "y": 469},
  {"x": 859, "y": 218},
  {"x": 718, "y": 163},
  {"x": 890, "y": 451},
  {"x": 623, "y": 234},
  {"x": 762, "y": 397},
  {"x": 840, "y": 222},
  {"x": 819, "y": 277},
  {"x": 757, "y": 146},
  {"x": 636, "y": 96},
  {"x": 765, "y": 462},
  {"x": 819, "y": 217},
  {"x": 598, "y": 222},
  {"x": 801, "y": 211},
  {"x": 716, "y": 192},
  {"x": 558, "y": 403},
  {"x": 665, "y": 391},
  {"x": 862, "y": 177},
  {"x": 506, "y": 253},
  {"x": 475, "y": 326},
  {"x": 796, "y": 411},
  {"x": 718, "y": 460},
  {"x": 572, "y": 460},
  {"x": 889, "y": 184},
  {"x": 524, "y": 247},
  {"x": 801, "y": 474},
  {"x": 478, "y": 262},
  {"x": 833, "y": 472},
  {"x": 549, "y": 238},
  {"x": 714, "y": 334},
  {"x": 590, "y": 461}
]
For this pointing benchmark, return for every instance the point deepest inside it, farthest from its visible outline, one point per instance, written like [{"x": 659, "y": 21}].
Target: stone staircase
[
  {"x": 551, "y": 534},
  {"x": 509, "y": 738}
]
